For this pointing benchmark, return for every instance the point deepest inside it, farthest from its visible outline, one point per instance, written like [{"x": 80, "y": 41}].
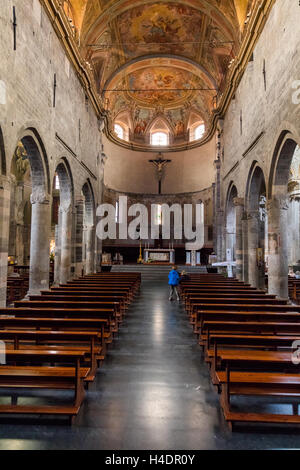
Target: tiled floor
[{"x": 152, "y": 393}]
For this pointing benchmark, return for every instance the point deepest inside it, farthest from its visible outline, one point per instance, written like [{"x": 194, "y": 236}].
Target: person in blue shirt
[{"x": 174, "y": 280}]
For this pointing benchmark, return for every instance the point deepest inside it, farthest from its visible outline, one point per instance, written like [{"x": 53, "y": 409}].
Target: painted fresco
[
  {"x": 161, "y": 85},
  {"x": 161, "y": 28},
  {"x": 149, "y": 56}
]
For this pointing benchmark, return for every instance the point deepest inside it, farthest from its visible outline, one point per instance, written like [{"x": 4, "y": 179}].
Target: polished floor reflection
[{"x": 153, "y": 393}]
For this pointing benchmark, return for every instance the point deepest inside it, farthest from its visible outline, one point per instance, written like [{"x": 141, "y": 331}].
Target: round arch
[
  {"x": 278, "y": 205},
  {"x": 281, "y": 163},
  {"x": 64, "y": 174},
  {"x": 38, "y": 160},
  {"x": 89, "y": 197}
]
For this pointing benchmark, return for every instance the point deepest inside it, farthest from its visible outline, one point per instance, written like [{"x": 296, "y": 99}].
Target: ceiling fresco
[{"x": 163, "y": 59}]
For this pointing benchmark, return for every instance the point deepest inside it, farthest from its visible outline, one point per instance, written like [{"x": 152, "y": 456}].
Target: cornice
[{"x": 257, "y": 21}]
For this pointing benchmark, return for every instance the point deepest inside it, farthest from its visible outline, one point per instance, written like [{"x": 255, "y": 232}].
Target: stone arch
[
  {"x": 278, "y": 205},
  {"x": 39, "y": 164},
  {"x": 64, "y": 174},
  {"x": 89, "y": 197},
  {"x": 281, "y": 163},
  {"x": 257, "y": 226},
  {"x": 40, "y": 200}
]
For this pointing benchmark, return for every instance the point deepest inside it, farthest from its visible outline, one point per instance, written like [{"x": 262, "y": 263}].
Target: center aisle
[{"x": 153, "y": 392}]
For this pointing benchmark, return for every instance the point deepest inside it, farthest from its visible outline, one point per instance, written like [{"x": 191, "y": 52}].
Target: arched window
[
  {"x": 197, "y": 132},
  {"x": 119, "y": 131},
  {"x": 159, "y": 139}
]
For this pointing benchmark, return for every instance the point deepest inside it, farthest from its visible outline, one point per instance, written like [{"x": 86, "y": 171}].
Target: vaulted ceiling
[{"x": 168, "y": 58}]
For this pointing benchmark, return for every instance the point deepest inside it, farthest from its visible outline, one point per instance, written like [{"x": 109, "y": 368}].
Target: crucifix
[{"x": 160, "y": 164}]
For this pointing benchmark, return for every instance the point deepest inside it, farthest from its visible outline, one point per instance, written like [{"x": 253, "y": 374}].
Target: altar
[{"x": 159, "y": 255}]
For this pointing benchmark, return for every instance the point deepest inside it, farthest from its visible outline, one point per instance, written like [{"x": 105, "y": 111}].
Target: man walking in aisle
[{"x": 174, "y": 280}]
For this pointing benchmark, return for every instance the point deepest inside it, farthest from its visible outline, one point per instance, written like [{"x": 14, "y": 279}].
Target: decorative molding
[
  {"x": 231, "y": 170},
  {"x": 254, "y": 143},
  {"x": 74, "y": 155}
]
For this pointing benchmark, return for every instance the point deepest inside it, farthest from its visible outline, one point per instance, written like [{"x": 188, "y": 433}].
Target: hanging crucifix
[{"x": 160, "y": 164}]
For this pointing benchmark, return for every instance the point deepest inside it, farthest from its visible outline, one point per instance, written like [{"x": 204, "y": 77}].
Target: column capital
[
  {"x": 254, "y": 214},
  {"x": 65, "y": 208},
  {"x": 40, "y": 198},
  {"x": 278, "y": 202},
  {"x": 238, "y": 201},
  {"x": 79, "y": 201}
]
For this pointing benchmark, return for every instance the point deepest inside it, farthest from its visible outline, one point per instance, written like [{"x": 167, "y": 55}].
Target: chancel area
[{"x": 149, "y": 148}]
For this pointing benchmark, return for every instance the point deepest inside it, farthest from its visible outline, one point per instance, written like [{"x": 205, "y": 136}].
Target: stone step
[{"x": 155, "y": 272}]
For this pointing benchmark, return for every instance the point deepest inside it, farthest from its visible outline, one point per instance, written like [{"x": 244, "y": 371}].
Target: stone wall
[
  {"x": 258, "y": 136},
  {"x": 130, "y": 171},
  {"x": 41, "y": 97},
  {"x": 264, "y": 112}
]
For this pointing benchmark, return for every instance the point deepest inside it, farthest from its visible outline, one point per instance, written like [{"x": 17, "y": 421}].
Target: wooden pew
[
  {"x": 240, "y": 377},
  {"x": 248, "y": 340},
  {"x": 44, "y": 377},
  {"x": 89, "y": 342}
]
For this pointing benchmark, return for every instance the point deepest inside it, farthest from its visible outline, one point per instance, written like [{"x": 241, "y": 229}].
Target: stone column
[
  {"x": 57, "y": 258},
  {"x": 66, "y": 244},
  {"x": 79, "y": 236},
  {"x": 214, "y": 218},
  {"x": 239, "y": 209},
  {"x": 294, "y": 230},
  {"x": 245, "y": 247},
  {"x": 278, "y": 246},
  {"x": 219, "y": 213},
  {"x": 40, "y": 244},
  {"x": 4, "y": 236}
]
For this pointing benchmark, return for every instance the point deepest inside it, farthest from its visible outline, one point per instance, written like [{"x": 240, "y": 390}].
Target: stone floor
[{"x": 153, "y": 393}]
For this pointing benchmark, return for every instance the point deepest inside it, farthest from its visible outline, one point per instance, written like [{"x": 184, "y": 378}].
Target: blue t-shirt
[{"x": 174, "y": 278}]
